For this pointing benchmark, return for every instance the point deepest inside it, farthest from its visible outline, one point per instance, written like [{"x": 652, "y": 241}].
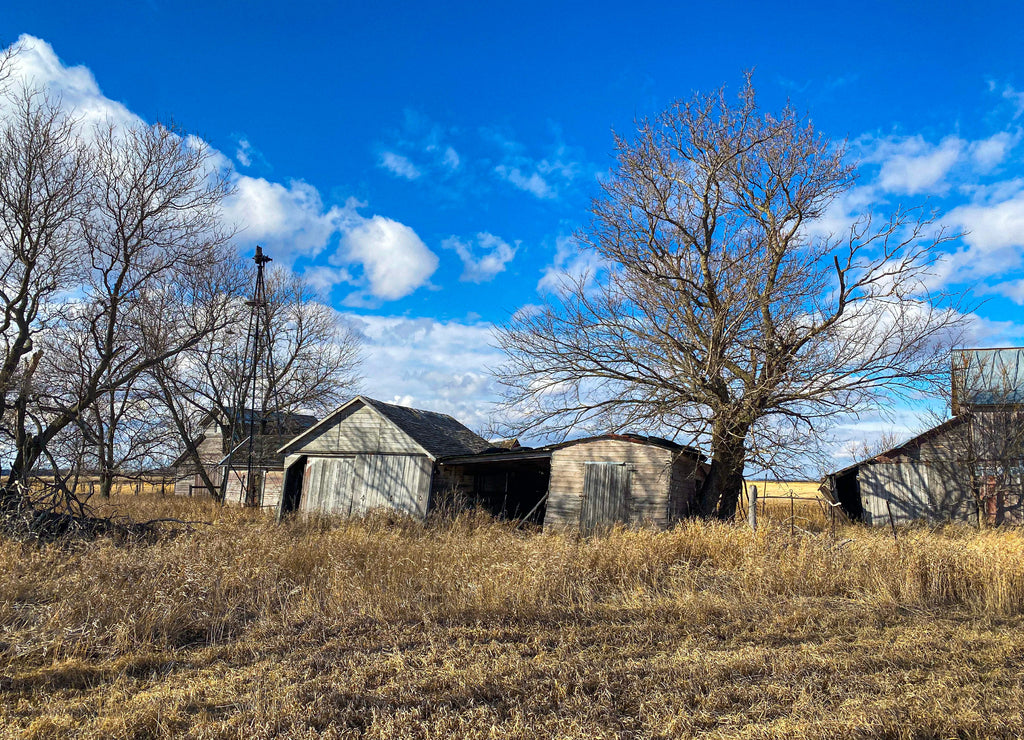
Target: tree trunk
[
  {"x": 106, "y": 482},
  {"x": 724, "y": 484}
]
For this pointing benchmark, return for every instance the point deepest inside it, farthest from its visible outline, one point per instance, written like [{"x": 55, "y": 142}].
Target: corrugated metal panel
[
  {"x": 605, "y": 495},
  {"x": 914, "y": 490}
]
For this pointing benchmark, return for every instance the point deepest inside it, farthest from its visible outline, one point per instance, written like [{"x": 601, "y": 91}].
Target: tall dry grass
[
  {"x": 242, "y": 585},
  {"x": 241, "y": 570}
]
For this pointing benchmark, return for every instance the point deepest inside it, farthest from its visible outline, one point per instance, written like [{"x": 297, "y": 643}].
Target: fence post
[{"x": 752, "y": 508}]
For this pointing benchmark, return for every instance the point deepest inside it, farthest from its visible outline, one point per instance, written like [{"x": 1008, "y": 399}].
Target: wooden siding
[
  {"x": 355, "y": 484},
  {"x": 273, "y": 483},
  {"x": 606, "y": 498},
  {"x": 182, "y": 485},
  {"x": 913, "y": 490},
  {"x": 650, "y": 468},
  {"x": 359, "y": 429}
]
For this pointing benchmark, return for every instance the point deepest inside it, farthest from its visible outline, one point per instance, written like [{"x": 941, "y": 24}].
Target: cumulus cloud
[
  {"x": 38, "y": 67},
  {"x": 398, "y": 165},
  {"x": 570, "y": 265},
  {"x": 994, "y": 239},
  {"x": 290, "y": 219},
  {"x": 482, "y": 261},
  {"x": 394, "y": 260},
  {"x": 989, "y": 153},
  {"x": 435, "y": 365},
  {"x": 383, "y": 258},
  {"x": 913, "y": 166}
]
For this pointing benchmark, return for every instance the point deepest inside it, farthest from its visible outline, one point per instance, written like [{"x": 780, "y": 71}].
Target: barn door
[{"x": 605, "y": 495}]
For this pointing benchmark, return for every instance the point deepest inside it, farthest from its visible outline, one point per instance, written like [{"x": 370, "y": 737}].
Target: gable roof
[
  {"x": 906, "y": 447},
  {"x": 438, "y": 434}
]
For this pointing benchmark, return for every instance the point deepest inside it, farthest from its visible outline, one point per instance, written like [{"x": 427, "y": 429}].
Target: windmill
[{"x": 258, "y": 379}]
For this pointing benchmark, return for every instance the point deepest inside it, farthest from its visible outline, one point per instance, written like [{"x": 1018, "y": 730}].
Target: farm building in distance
[
  {"x": 223, "y": 447},
  {"x": 968, "y": 467},
  {"x": 370, "y": 454}
]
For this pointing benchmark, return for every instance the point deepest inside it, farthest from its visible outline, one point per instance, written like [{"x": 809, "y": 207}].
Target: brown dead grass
[{"x": 386, "y": 628}]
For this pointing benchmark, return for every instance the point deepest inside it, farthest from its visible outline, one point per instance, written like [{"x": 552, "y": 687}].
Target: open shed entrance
[
  {"x": 507, "y": 486},
  {"x": 291, "y": 496},
  {"x": 847, "y": 492}
]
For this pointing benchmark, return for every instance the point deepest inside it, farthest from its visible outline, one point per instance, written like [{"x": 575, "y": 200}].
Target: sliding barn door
[{"x": 605, "y": 496}]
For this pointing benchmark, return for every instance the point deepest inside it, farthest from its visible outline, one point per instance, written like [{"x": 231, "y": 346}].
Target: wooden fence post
[{"x": 752, "y": 509}]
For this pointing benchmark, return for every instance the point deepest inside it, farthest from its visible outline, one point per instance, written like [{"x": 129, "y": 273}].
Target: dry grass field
[{"x": 389, "y": 629}]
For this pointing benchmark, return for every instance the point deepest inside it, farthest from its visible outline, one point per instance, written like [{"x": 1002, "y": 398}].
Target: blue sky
[{"x": 427, "y": 164}]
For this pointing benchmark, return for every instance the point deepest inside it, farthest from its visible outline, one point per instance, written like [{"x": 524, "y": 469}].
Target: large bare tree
[
  {"x": 721, "y": 314},
  {"x": 111, "y": 259}
]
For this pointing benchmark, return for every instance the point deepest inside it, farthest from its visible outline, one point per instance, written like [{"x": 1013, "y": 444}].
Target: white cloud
[
  {"x": 484, "y": 260},
  {"x": 290, "y": 220},
  {"x": 324, "y": 277},
  {"x": 1016, "y": 97},
  {"x": 451, "y": 158},
  {"x": 544, "y": 177},
  {"x": 570, "y": 265},
  {"x": 533, "y": 183},
  {"x": 38, "y": 66},
  {"x": 988, "y": 153},
  {"x": 911, "y": 165},
  {"x": 244, "y": 153},
  {"x": 399, "y": 165},
  {"x": 429, "y": 364},
  {"x": 995, "y": 243},
  {"x": 394, "y": 259}
]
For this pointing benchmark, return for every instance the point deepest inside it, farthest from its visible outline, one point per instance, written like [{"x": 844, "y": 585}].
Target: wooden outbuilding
[
  {"x": 589, "y": 483},
  {"x": 223, "y": 446},
  {"x": 368, "y": 454},
  {"x": 967, "y": 468}
]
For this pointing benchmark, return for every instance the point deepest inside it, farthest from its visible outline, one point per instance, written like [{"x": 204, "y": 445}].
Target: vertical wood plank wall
[
  {"x": 352, "y": 485},
  {"x": 661, "y": 482}
]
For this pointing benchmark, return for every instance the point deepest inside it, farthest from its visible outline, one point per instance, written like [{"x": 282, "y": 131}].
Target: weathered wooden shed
[
  {"x": 368, "y": 454},
  {"x": 943, "y": 474},
  {"x": 973, "y": 461},
  {"x": 223, "y": 447},
  {"x": 587, "y": 483}
]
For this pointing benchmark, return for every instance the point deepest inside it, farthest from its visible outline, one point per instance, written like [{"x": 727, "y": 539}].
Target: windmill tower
[{"x": 258, "y": 385}]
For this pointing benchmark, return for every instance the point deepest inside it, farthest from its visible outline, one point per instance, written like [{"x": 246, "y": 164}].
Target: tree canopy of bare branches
[
  {"x": 111, "y": 262},
  {"x": 311, "y": 364},
  {"x": 722, "y": 314}
]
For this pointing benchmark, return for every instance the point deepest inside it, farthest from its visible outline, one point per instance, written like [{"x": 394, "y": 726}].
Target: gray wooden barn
[
  {"x": 368, "y": 454},
  {"x": 972, "y": 461},
  {"x": 588, "y": 483}
]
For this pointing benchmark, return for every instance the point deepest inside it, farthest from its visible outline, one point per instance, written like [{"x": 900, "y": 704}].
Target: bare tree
[
  {"x": 110, "y": 264},
  {"x": 720, "y": 314},
  {"x": 315, "y": 359}
]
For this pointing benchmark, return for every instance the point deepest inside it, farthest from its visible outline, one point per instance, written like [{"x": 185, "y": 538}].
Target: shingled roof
[{"x": 438, "y": 434}]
